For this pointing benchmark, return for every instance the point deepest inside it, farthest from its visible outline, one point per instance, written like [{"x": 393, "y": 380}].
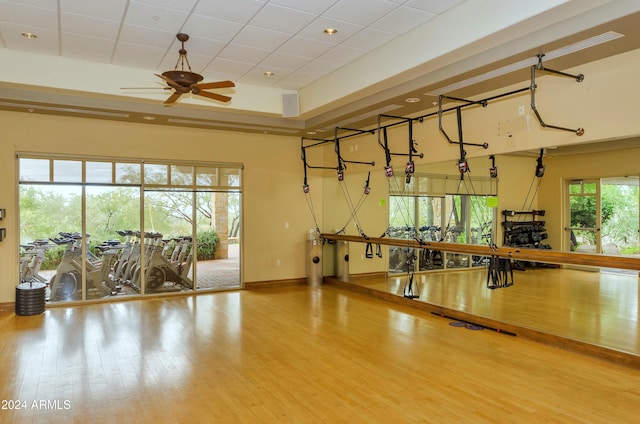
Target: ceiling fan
[{"x": 185, "y": 81}]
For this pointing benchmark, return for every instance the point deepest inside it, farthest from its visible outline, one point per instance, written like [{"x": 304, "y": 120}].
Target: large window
[
  {"x": 93, "y": 228},
  {"x": 439, "y": 208}
]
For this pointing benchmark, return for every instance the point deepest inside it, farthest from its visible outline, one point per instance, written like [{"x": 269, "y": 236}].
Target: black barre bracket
[{"x": 539, "y": 67}]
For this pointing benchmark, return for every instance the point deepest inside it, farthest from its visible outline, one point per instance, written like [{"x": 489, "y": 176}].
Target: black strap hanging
[
  {"x": 500, "y": 273},
  {"x": 368, "y": 253},
  {"x": 408, "y": 289}
]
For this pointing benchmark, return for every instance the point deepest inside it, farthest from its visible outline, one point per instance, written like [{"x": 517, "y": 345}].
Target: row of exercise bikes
[
  {"x": 116, "y": 264},
  {"x": 406, "y": 259}
]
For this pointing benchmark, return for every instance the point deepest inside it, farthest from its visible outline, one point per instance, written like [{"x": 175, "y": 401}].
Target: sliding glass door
[
  {"x": 98, "y": 228},
  {"x": 603, "y": 215}
]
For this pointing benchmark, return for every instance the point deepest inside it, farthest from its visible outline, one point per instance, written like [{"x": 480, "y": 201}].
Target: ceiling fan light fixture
[{"x": 184, "y": 81}]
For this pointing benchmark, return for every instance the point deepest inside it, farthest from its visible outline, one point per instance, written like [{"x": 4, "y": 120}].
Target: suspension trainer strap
[
  {"x": 408, "y": 288},
  {"x": 369, "y": 251},
  {"x": 500, "y": 273}
]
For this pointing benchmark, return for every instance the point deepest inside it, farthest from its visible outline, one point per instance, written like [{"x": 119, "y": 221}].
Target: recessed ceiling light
[
  {"x": 330, "y": 31},
  {"x": 149, "y": 118},
  {"x": 311, "y": 132},
  {"x": 269, "y": 74},
  {"x": 412, "y": 100},
  {"x": 29, "y": 35}
]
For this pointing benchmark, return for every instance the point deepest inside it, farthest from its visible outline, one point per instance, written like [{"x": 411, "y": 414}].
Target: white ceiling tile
[
  {"x": 433, "y": 6},
  {"x": 146, "y": 36},
  {"x": 306, "y": 47},
  {"x": 243, "y": 53},
  {"x": 46, "y": 43},
  {"x": 51, "y": 4},
  {"x": 218, "y": 76},
  {"x": 318, "y": 68},
  {"x": 93, "y": 27},
  {"x": 30, "y": 16},
  {"x": 369, "y": 39},
  {"x": 156, "y": 17},
  {"x": 173, "y": 61},
  {"x": 259, "y": 80},
  {"x": 240, "y": 11},
  {"x": 198, "y": 46},
  {"x": 135, "y": 55},
  {"x": 260, "y": 38},
  {"x": 402, "y": 20},
  {"x": 311, "y": 6},
  {"x": 285, "y": 61},
  {"x": 361, "y": 12},
  {"x": 112, "y": 10},
  {"x": 87, "y": 48},
  {"x": 259, "y": 71},
  {"x": 281, "y": 19},
  {"x": 295, "y": 81},
  {"x": 200, "y": 26},
  {"x": 184, "y": 5},
  {"x": 342, "y": 54},
  {"x": 229, "y": 66},
  {"x": 316, "y": 29}
]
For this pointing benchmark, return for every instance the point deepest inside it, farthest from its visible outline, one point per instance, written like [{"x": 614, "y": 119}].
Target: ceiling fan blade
[
  {"x": 172, "y": 98},
  {"x": 169, "y": 81},
  {"x": 217, "y": 84},
  {"x": 214, "y": 96},
  {"x": 146, "y": 88}
]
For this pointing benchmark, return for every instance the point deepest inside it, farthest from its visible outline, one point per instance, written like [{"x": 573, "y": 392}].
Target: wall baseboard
[
  {"x": 365, "y": 276},
  {"x": 274, "y": 283},
  {"x": 8, "y": 307}
]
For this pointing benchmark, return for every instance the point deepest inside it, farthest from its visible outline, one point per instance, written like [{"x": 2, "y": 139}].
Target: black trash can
[{"x": 30, "y": 298}]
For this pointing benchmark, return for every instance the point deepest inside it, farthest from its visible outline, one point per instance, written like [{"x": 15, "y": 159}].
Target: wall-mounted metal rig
[
  {"x": 412, "y": 151},
  {"x": 539, "y": 67},
  {"x": 342, "y": 161},
  {"x": 315, "y": 142}
]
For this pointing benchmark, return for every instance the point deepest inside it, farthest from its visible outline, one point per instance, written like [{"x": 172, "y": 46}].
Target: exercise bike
[
  {"x": 66, "y": 283},
  {"x": 160, "y": 267}
]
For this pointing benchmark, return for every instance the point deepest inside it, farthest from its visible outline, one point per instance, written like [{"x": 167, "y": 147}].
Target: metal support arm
[{"x": 578, "y": 78}]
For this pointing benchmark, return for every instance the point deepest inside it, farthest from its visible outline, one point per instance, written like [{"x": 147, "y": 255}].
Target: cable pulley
[{"x": 493, "y": 171}]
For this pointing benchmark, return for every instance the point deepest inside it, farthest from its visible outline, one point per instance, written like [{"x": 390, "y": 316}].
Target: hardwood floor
[
  {"x": 593, "y": 308},
  {"x": 293, "y": 354}
]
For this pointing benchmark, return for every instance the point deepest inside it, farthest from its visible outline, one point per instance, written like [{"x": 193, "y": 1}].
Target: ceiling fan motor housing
[{"x": 182, "y": 77}]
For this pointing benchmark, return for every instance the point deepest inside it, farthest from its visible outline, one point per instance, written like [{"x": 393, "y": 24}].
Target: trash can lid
[{"x": 31, "y": 286}]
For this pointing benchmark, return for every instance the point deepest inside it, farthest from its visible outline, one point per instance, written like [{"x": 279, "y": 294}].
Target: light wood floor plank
[
  {"x": 601, "y": 309},
  {"x": 294, "y": 355}
]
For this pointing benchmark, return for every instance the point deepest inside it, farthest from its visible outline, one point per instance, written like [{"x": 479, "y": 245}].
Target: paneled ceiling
[{"x": 98, "y": 58}]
